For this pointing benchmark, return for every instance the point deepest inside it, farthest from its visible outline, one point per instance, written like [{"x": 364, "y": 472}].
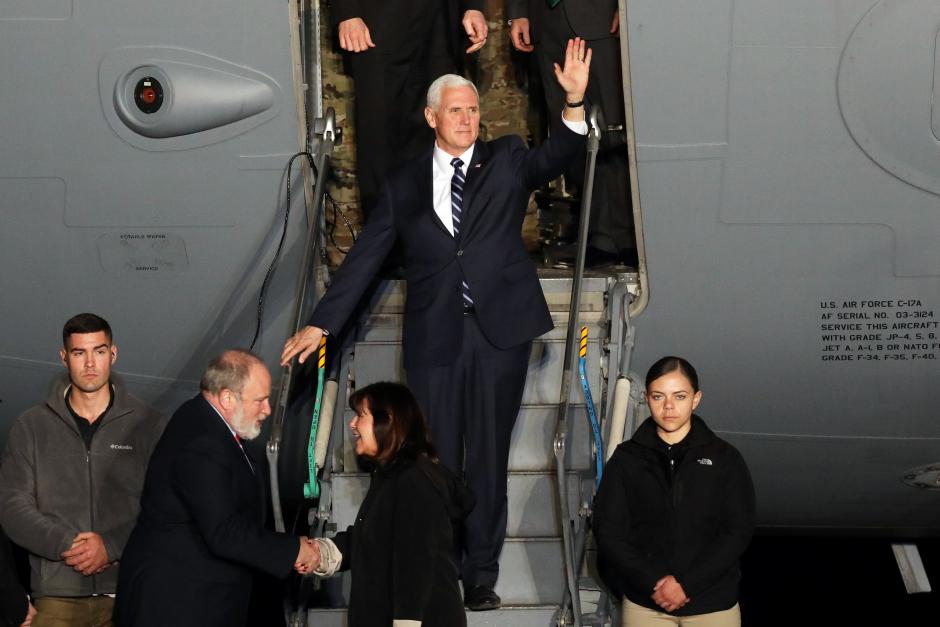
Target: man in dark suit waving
[
  {"x": 200, "y": 530},
  {"x": 474, "y": 299}
]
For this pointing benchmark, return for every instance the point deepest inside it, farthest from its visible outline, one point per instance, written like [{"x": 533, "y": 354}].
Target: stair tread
[
  {"x": 505, "y": 606},
  {"x": 518, "y": 473}
]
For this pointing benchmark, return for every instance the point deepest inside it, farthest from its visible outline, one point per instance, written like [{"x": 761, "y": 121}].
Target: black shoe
[
  {"x": 595, "y": 257},
  {"x": 629, "y": 257},
  {"x": 480, "y": 598}
]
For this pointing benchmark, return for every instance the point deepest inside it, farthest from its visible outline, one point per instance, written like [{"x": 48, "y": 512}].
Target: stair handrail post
[
  {"x": 562, "y": 426},
  {"x": 325, "y": 507},
  {"x": 327, "y": 140}
]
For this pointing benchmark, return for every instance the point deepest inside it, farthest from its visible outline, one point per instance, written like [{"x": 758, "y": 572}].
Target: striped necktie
[{"x": 456, "y": 202}]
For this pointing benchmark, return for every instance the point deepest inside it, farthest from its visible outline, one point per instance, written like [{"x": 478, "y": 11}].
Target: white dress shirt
[
  {"x": 237, "y": 439},
  {"x": 442, "y": 172}
]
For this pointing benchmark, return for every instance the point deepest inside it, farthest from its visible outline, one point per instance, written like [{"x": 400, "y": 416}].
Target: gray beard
[{"x": 250, "y": 433}]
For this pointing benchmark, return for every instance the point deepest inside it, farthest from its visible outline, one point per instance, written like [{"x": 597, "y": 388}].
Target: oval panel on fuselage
[{"x": 167, "y": 237}]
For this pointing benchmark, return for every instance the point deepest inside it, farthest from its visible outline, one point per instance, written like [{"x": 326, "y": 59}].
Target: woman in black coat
[
  {"x": 675, "y": 511},
  {"x": 401, "y": 549}
]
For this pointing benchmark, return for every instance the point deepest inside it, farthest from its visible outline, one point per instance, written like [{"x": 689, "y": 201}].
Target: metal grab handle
[
  {"x": 312, "y": 486},
  {"x": 592, "y": 414},
  {"x": 562, "y": 427}
]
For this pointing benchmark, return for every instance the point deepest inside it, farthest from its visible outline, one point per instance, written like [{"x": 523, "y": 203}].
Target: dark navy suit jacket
[
  {"x": 588, "y": 19},
  {"x": 200, "y": 531},
  {"x": 489, "y": 253},
  {"x": 397, "y": 24}
]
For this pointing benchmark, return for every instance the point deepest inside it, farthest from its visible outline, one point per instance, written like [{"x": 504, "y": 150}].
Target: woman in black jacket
[
  {"x": 401, "y": 549},
  {"x": 675, "y": 511}
]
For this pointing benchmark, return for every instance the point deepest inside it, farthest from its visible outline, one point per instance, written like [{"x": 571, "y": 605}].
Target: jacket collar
[
  {"x": 120, "y": 406},
  {"x": 699, "y": 434},
  {"x": 422, "y": 175},
  {"x": 224, "y": 429}
]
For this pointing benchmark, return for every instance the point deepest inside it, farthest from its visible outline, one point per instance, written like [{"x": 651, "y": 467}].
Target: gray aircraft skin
[
  {"x": 163, "y": 223},
  {"x": 787, "y": 172}
]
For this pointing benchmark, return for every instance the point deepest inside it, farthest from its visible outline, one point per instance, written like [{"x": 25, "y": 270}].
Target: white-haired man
[
  {"x": 474, "y": 299},
  {"x": 201, "y": 528}
]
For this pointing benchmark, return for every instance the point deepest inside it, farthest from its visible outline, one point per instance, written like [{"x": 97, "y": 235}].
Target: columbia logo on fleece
[
  {"x": 126, "y": 447},
  {"x": 705, "y": 461}
]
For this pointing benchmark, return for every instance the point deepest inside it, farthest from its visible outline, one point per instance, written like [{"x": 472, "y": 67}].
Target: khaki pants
[
  {"x": 73, "y": 611},
  {"x": 638, "y": 616}
]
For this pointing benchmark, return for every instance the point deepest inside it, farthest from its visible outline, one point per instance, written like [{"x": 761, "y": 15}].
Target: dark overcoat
[
  {"x": 401, "y": 549},
  {"x": 200, "y": 532}
]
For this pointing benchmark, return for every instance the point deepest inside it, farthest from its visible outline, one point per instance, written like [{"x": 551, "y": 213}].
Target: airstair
[
  {"x": 546, "y": 566},
  {"x": 532, "y": 580}
]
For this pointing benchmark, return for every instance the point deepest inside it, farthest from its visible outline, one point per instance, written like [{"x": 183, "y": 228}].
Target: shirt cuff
[
  {"x": 398, "y": 622},
  {"x": 580, "y": 127},
  {"x": 330, "y": 558}
]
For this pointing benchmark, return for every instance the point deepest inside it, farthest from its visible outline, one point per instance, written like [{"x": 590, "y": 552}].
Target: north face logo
[{"x": 705, "y": 461}]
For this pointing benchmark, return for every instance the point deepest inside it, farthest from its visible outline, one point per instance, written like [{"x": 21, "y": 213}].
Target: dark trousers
[
  {"x": 471, "y": 406},
  {"x": 611, "y": 226},
  {"x": 391, "y": 85}
]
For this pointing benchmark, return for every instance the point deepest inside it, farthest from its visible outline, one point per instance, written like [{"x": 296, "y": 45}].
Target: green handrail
[{"x": 312, "y": 486}]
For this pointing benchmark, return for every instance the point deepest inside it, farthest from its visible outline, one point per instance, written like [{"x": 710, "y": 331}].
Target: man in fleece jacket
[{"x": 71, "y": 477}]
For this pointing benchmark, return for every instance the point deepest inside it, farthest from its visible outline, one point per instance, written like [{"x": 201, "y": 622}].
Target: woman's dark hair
[
  {"x": 671, "y": 364},
  {"x": 399, "y": 426}
]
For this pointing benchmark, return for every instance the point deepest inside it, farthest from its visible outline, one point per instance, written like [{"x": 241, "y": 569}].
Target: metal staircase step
[
  {"x": 385, "y": 327},
  {"x": 534, "y": 434},
  {"x": 382, "y": 362},
  {"x": 532, "y": 580},
  {"x": 532, "y": 437},
  {"x": 531, "y": 502},
  {"x": 543, "y": 384},
  {"x": 515, "y": 615},
  {"x": 531, "y": 573},
  {"x": 389, "y": 296}
]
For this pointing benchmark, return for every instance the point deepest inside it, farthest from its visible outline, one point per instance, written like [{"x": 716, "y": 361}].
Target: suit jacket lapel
[
  {"x": 423, "y": 176},
  {"x": 481, "y": 157},
  {"x": 219, "y": 427}
]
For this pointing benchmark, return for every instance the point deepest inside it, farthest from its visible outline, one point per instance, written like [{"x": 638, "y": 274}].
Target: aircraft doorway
[{"x": 513, "y": 101}]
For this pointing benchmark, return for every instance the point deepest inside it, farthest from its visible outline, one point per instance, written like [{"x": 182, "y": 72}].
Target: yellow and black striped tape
[
  {"x": 584, "y": 336},
  {"x": 321, "y": 362}
]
